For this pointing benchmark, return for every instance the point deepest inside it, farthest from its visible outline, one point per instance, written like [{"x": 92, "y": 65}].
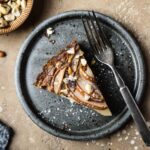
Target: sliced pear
[
  {"x": 89, "y": 72},
  {"x": 82, "y": 99},
  {"x": 48, "y": 78},
  {"x": 85, "y": 75},
  {"x": 105, "y": 112},
  {"x": 58, "y": 80}
]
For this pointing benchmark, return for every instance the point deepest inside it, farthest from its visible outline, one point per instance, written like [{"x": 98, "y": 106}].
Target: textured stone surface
[{"x": 133, "y": 14}]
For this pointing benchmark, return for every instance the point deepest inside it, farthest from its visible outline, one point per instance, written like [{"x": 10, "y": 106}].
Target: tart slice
[{"x": 68, "y": 74}]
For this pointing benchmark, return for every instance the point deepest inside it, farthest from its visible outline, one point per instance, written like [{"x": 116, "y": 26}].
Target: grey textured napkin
[{"x": 5, "y": 133}]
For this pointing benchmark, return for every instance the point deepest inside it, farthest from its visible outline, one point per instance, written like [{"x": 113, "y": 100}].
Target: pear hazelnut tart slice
[{"x": 68, "y": 74}]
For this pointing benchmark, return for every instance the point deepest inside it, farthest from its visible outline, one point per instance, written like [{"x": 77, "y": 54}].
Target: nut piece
[
  {"x": 79, "y": 54},
  {"x": 18, "y": 2},
  {"x": 4, "y": 9},
  {"x": 83, "y": 62},
  {"x": 4, "y": 1},
  {"x": 49, "y": 31},
  {"x": 16, "y": 12},
  {"x": 23, "y": 4},
  {"x": 64, "y": 91},
  {"x": 2, "y": 54},
  {"x": 86, "y": 97},
  {"x": 3, "y": 23},
  {"x": 89, "y": 88},
  {"x": 71, "y": 51},
  {"x": 9, "y": 17}
]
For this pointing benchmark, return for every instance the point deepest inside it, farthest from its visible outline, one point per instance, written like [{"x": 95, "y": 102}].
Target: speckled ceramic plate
[{"x": 57, "y": 115}]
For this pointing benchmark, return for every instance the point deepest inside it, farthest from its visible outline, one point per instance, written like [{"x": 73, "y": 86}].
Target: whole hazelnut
[{"x": 2, "y": 54}]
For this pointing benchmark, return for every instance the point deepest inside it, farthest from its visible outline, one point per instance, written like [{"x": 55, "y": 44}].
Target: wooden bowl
[{"x": 20, "y": 20}]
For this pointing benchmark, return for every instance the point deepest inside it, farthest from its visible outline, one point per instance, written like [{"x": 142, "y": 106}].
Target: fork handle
[{"x": 133, "y": 108}]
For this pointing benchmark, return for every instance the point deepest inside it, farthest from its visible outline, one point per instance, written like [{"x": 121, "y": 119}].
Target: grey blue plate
[{"x": 57, "y": 115}]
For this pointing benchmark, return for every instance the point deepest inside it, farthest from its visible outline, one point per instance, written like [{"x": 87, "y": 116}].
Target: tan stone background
[{"x": 133, "y": 14}]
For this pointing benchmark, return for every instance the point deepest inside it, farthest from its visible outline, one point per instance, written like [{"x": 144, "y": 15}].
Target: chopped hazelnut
[
  {"x": 49, "y": 31},
  {"x": 86, "y": 97},
  {"x": 83, "y": 62},
  {"x": 71, "y": 51},
  {"x": 88, "y": 88},
  {"x": 2, "y": 54}
]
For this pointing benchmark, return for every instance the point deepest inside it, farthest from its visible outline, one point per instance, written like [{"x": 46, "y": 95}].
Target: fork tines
[{"x": 94, "y": 32}]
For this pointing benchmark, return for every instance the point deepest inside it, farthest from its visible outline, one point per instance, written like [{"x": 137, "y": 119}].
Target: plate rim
[{"x": 122, "y": 121}]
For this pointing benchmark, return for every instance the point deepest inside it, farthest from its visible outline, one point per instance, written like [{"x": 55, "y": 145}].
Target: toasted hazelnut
[
  {"x": 9, "y": 17},
  {"x": 3, "y": 23},
  {"x": 16, "y": 12},
  {"x": 49, "y": 31},
  {"x": 4, "y": 9},
  {"x": 14, "y": 5},
  {"x": 79, "y": 54},
  {"x": 86, "y": 97},
  {"x": 83, "y": 62},
  {"x": 23, "y": 4},
  {"x": 18, "y": 2},
  {"x": 64, "y": 91},
  {"x": 2, "y": 54},
  {"x": 71, "y": 51}
]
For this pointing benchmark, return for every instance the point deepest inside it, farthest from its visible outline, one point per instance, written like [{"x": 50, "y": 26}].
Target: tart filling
[{"x": 68, "y": 74}]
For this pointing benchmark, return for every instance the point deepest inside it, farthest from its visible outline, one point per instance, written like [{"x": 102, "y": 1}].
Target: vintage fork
[{"x": 104, "y": 53}]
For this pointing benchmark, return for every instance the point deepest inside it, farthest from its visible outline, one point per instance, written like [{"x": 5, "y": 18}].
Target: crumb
[
  {"x": 118, "y": 134},
  {"x": 135, "y": 148},
  {"x": 111, "y": 143},
  {"x": 87, "y": 144},
  {"x": 120, "y": 139},
  {"x": 136, "y": 133},
  {"x": 52, "y": 41},
  {"x": 93, "y": 62},
  {"x": 97, "y": 143},
  {"x": 93, "y": 141},
  {"x": 2, "y": 87},
  {"x": 126, "y": 138},
  {"x": 124, "y": 132},
  {"x": 132, "y": 142},
  {"x": 102, "y": 145},
  {"x": 49, "y": 32}
]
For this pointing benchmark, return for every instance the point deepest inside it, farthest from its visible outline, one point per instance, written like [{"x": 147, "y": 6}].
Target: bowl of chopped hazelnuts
[{"x": 13, "y": 13}]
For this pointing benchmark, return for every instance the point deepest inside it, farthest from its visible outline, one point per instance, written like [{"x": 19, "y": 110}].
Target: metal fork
[{"x": 104, "y": 53}]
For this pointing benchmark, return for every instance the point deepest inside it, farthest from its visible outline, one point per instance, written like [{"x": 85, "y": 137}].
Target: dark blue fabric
[{"x": 4, "y": 136}]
